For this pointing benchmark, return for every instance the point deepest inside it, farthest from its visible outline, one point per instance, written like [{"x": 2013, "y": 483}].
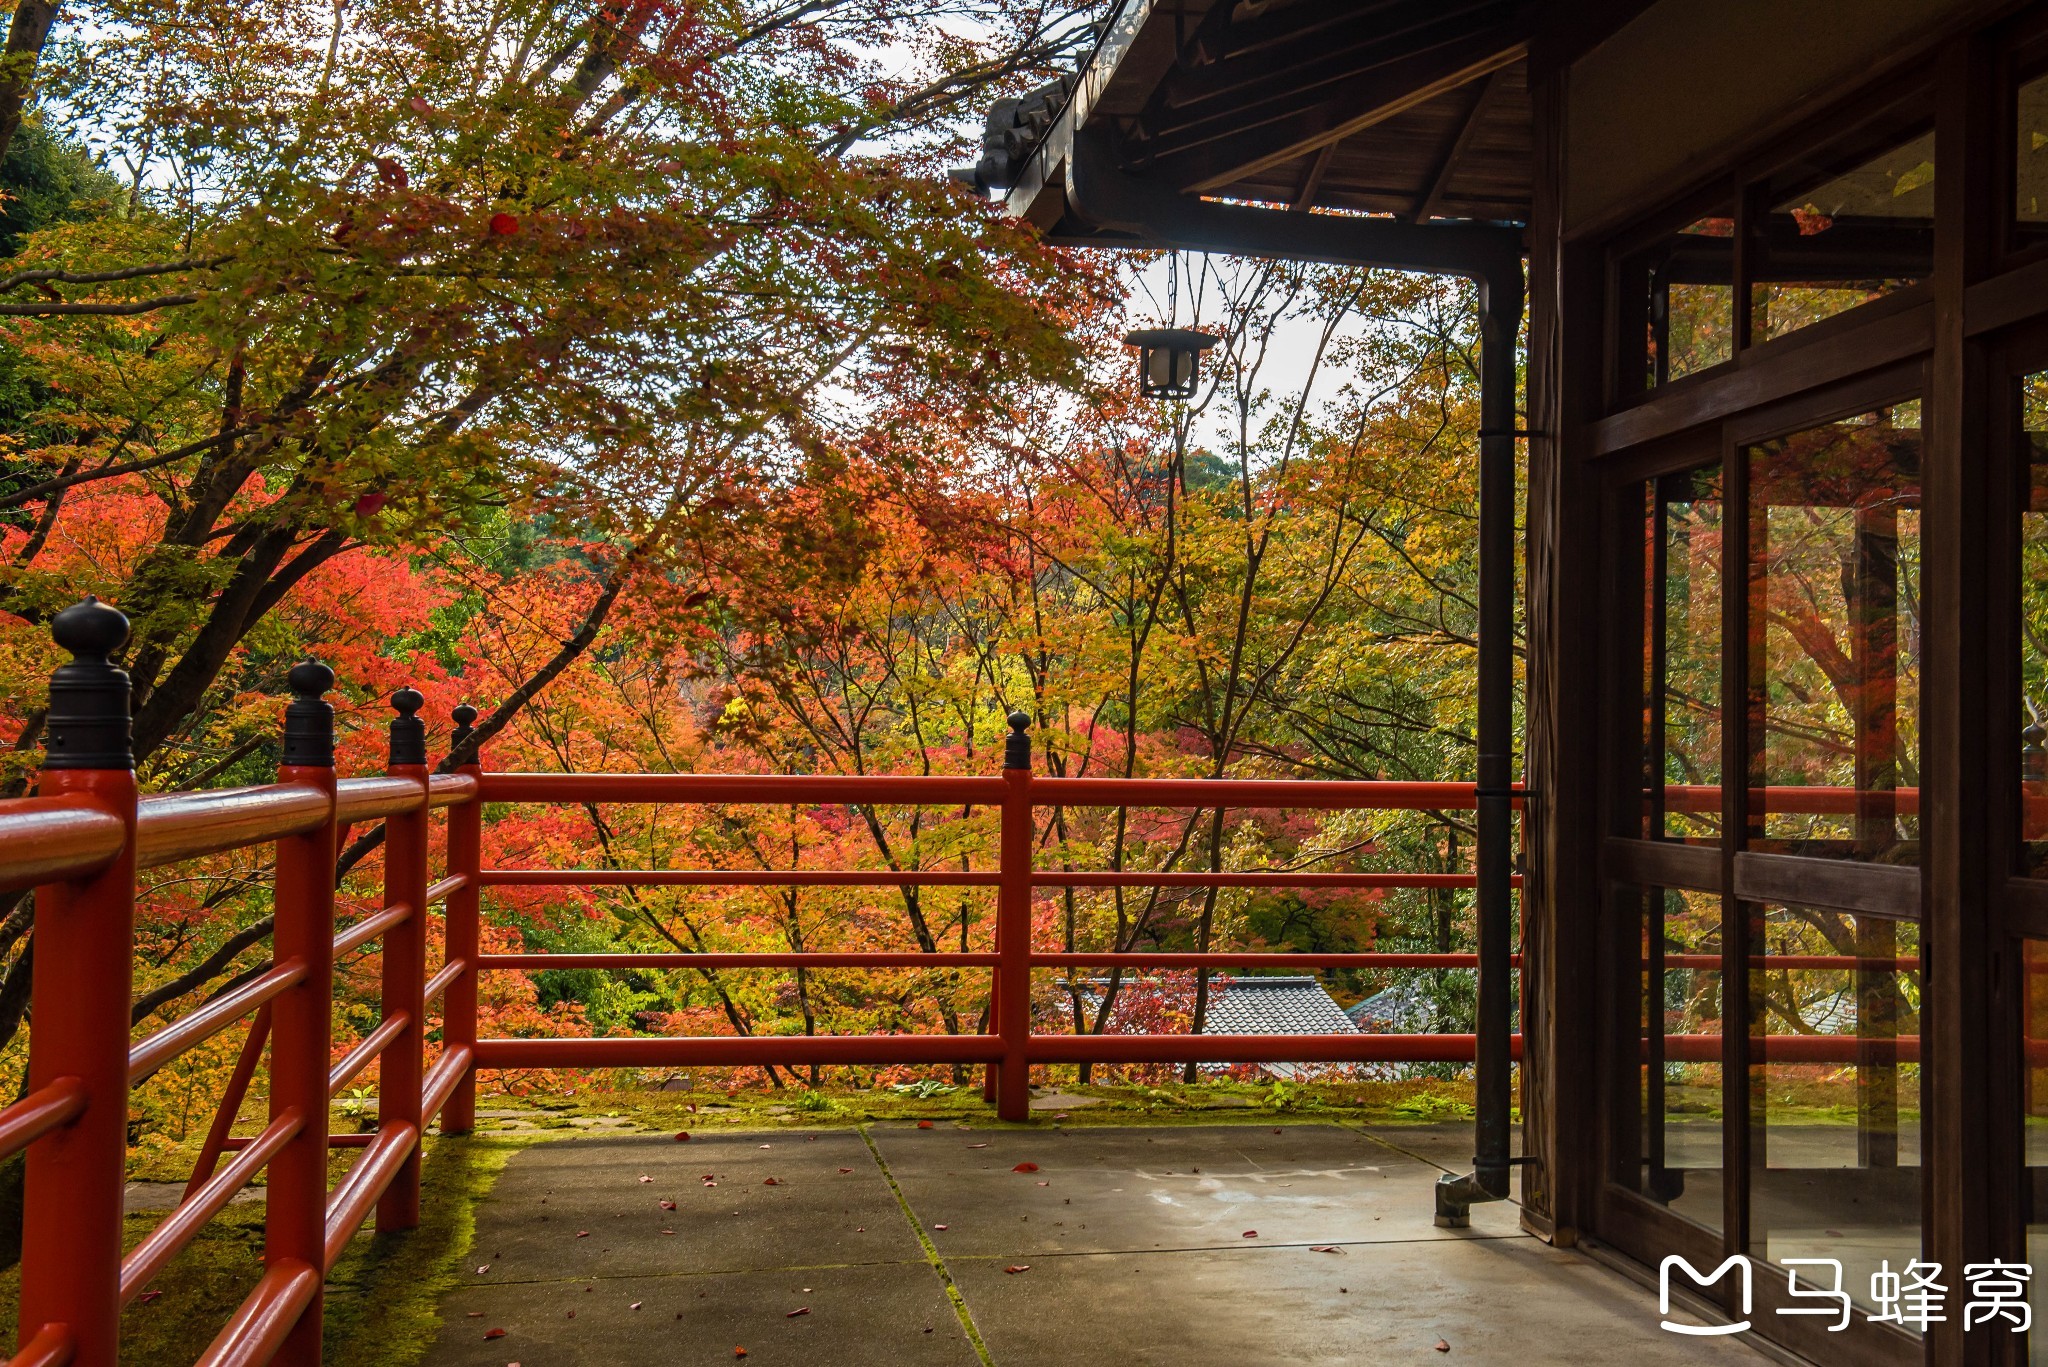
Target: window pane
[
  {"x": 1835, "y": 638},
  {"x": 1837, "y": 236},
  {"x": 1835, "y": 1081},
  {"x": 2035, "y": 1137},
  {"x": 1682, "y": 663},
  {"x": 2031, "y": 163},
  {"x": 1679, "y": 298},
  {"x": 2034, "y": 628},
  {"x": 1680, "y": 1161}
]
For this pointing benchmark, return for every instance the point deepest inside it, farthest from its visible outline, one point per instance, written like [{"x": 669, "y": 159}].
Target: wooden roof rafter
[{"x": 1412, "y": 109}]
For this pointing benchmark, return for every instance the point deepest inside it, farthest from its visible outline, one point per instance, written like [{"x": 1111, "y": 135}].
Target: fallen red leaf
[
  {"x": 800, "y": 1310},
  {"x": 938, "y": 1226},
  {"x": 494, "y": 1333},
  {"x": 668, "y": 1231},
  {"x": 1251, "y": 1234},
  {"x": 1025, "y": 1167},
  {"x": 636, "y": 1305},
  {"x": 645, "y": 1178},
  {"x": 146, "y": 1297},
  {"x": 1324, "y": 1248},
  {"x": 475, "y": 1314},
  {"x": 583, "y": 1234},
  {"x": 668, "y": 1205},
  {"x": 977, "y": 1146},
  {"x": 481, "y": 1270},
  {"x": 683, "y": 1136},
  {"x": 1014, "y": 1268},
  {"x": 770, "y": 1182},
  {"x": 846, "y": 1169},
  {"x": 1045, "y": 1184},
  {"x": 924, "y": 1124},
  {"x": 738, "y": 1351},
  {"x": 1442, "y": 1347}
]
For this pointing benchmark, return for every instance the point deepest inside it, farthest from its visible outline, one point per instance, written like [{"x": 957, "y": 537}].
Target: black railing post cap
[
  {"x": 90, "y": 630},
  {"x": 408, "y": 732},
  {"x": 1017, "y": 749},
  {"x": 86, "y": 726},
  {"x": 309, "y": 680},
  {"x": 308, "y": 718}
]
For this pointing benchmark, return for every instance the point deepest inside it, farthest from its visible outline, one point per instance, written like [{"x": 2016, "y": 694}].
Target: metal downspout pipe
[{"x": 1500, "y": 315}]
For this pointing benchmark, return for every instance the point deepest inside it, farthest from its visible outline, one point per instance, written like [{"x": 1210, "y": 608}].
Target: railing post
[
  {"x": 1013, "y": 928},
  {"x": 302, "y": 1019},
  {"x": 71, "y": 1225},
  {"x": 402, "y": 1067},
  {"x": 465, "y": 859}
]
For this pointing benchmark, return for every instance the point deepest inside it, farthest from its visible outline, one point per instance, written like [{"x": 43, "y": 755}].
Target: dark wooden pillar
[
  {"x": 1560, "y": 1016},
  {"x": 1970, "y": 1010}
]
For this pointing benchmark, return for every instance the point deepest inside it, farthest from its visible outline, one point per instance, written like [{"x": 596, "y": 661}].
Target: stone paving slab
[
  {"x": 1494, "y": 1301},
  {"x": 814, "y": 1212},
  {"x": 1137, "y": 1190},
  {"x": 871, "y": 1316}
]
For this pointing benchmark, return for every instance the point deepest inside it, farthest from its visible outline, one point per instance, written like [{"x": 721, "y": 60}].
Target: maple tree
[{"x": 634, "y": 374}]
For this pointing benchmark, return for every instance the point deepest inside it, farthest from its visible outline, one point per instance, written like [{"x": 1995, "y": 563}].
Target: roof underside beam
[{"x": 1106, "y": 206}]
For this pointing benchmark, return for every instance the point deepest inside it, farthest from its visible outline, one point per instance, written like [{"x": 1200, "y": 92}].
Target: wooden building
[{"x": 1787, "y": 360}]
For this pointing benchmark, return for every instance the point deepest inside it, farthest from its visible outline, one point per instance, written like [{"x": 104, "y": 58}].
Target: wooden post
[
  {"x": 84, "y": 937},
  {"x": 302, "y": 1018},
  {"x": 463, "y": 934},
  {"x": 1013, "y": 929},
  {"x": 1970, "y": 1009},
  {"x": 402, "y": 1066}
]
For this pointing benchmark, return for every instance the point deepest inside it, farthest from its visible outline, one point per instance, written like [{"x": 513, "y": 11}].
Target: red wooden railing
[{"x": 81, "y": 842}]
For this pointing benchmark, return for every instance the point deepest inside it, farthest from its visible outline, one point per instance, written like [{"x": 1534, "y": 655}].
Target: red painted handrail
[{"x": 47, "y": 839}]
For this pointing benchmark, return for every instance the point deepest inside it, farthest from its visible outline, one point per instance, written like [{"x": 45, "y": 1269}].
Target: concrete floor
[{"x": 1241, "y": 1244}]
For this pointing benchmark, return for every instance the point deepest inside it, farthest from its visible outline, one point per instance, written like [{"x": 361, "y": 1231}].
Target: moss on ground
[
  {"x": 383, "y": 1296},
  {"x": 1373, "y": 1103}
]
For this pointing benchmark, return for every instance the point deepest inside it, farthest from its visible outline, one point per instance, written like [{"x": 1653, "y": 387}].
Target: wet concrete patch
[
  {"x": 1141, "y": 1190},
  {"x": 1489, "y": 1300},
  {"x": 1132, "y": 1243}
]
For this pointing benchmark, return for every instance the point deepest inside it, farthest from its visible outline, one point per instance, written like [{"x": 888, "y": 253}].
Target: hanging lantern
[{"x": 1169, "y": 360}]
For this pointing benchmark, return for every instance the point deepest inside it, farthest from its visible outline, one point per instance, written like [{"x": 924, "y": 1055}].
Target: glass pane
[
  {"x": 1837, "y": 236},
  {"x": 1680, "y": 1162},
  {"x": 1683, "y": 656},
  {"x": 1679, "y": 298},
  {"x": 1835, "y": 638},
  {"x": 1835, "y": 1088},
  {"x": 2034, "y": 628},
  {"x": 2035, "y": 1139},
  {"x": 2030, "y": 177}
]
